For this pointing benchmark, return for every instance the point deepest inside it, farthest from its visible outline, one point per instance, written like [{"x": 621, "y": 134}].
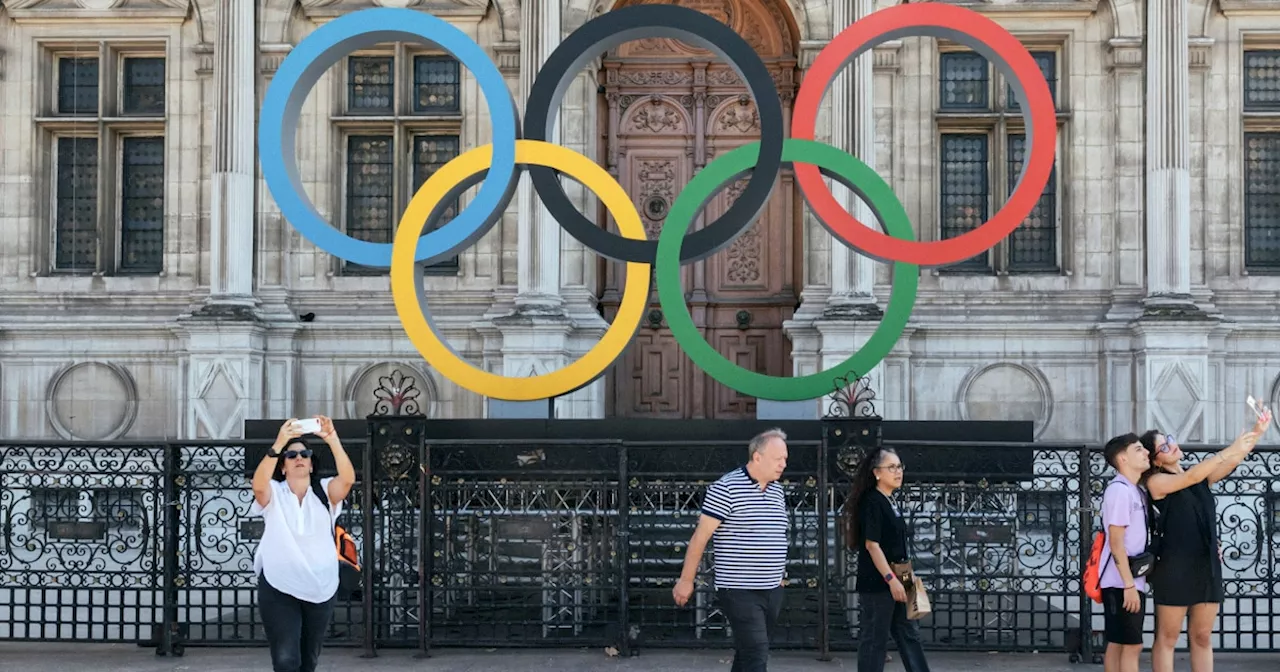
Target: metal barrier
[{"x": 575, "y": 543}]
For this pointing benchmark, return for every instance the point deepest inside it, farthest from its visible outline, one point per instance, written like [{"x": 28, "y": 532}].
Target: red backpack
[
  {"x": 350, "y": 577},
  {"x": 1092, "y": 573}
]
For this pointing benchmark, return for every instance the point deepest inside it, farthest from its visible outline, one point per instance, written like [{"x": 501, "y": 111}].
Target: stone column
[
  {"x": 224, "y": 342},
  {"x": 1168, "y": 148},
  {"x": 231, "y": 210},
  {"x": 853, "y": 130},
  {"x": 825, "y": 334},
  {"x": 538, "y": 275},
  {"x": 538, "y": 332}
]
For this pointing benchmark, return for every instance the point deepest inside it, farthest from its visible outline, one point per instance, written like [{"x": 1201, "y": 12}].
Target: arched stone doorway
[{"x": 666, "y": 110}]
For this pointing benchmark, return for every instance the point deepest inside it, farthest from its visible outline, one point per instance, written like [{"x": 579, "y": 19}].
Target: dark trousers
[
  {"x": 882, "y": 617},
  {"x": 295, "y": 628},
  {"x": 753, "y": 615}
]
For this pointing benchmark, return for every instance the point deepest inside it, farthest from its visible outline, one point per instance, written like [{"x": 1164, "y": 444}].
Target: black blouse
[{"x": 880, "y": 523}]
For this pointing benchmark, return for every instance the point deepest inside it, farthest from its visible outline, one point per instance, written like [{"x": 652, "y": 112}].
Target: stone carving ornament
[
  {"x": 91, "y": 5},
  {"x": 738, "y": 118},
  {"x": 656, "y": 117},
  {"x": 744, "y": 253},
  {"x": 653, "y": 77},
  {"x": 657, "y": 190}
]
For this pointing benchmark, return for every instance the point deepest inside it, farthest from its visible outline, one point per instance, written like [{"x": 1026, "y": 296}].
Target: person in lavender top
[{"x": 1124, "y": 519}]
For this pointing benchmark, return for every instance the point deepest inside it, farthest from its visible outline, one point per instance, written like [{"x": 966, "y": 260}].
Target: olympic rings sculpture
[{"x": 495, "y": 166}]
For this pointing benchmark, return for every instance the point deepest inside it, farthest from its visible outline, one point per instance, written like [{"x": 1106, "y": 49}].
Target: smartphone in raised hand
[
  {"x": 1259, "y": 410},
  {"x": 312, "y": 425}
]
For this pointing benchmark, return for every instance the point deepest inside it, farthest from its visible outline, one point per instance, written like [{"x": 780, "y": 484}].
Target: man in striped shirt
[{"x": 746, "y": 512}]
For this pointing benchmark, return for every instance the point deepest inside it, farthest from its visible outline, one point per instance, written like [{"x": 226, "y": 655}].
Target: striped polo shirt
[{"x": 751, "y": 543}]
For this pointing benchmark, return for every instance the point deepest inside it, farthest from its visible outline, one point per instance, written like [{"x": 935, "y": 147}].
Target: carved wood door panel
[{"x": 671, "y": 110}]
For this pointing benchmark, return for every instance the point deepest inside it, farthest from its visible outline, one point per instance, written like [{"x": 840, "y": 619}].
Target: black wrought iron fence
[{"x": 572, "y": 543}]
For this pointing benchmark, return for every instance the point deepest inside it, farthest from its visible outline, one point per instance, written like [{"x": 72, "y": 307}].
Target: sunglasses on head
[{"x": 290, "y": 454}]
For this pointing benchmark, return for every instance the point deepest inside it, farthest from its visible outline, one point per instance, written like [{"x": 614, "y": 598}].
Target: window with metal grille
[
  {"x": 1262, "y": 161},
  {"x": 977, "y": 130},
  {"x": 1262, "y": 200},
  {"x": 402, "y": 122},
  {"x": 370, "y": 191},
  {"x": 435, "y": 84},
  {"x": 76, "y": 213},
  {"x": 112, "y": 120},
  {"x": 965, "y": 81},
  {"x": 1032, "y": 245},
  {"x": 143, "y": 87},
  {"x": 78, "y": 86},
  {"x": 965, "y": 191},
  {"x": 370, "y": 84},
  {"x": 142, "y": 205}
]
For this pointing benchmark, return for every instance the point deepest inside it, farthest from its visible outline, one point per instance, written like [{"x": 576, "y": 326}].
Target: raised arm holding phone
[
  {"x": 296, "y": 560},
  {"x": 1186, "y": 583}
]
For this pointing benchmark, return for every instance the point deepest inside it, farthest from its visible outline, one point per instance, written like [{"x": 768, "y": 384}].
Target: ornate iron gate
[
  {"x": 554, "y": 542},
  {"x": 83, "y": 554}
]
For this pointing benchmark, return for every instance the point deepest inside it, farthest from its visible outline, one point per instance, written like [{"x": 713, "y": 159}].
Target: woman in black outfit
[
  {"x": 1187, "y": 577},
  {"x": 875, "y": 529}
]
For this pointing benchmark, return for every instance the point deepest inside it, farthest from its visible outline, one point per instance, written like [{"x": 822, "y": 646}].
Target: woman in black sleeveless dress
[{"x": 1187, "y": 578}]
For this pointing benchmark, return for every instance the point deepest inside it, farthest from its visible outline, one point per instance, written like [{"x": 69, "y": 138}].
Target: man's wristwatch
[
  {"x": 274, "y": 453},
  {"x": 888, "y": 578}
]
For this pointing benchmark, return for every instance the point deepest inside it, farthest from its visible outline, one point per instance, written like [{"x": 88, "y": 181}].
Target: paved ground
[{"x": 21, "y": 657}]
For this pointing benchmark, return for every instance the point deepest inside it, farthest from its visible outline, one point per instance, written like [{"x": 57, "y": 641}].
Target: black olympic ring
[{"x": 646, "y": 21}]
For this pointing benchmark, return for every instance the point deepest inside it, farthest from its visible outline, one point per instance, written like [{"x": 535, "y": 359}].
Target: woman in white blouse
[{"x": 297, "y": 561}]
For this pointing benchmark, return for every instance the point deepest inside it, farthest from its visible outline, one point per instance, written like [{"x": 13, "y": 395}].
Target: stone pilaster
[
  {"x": 224, "y": 341},
  {"x": 1126, "y": 61},
  {"x": 830, "y": 325},
  {"x": 538, "y": 275},
  {"x": 232, "y": 188},
  {"x": 541, "y": 327},
  {"x": 1168, "y": 176},
  {"x": 853, "y": 130}
]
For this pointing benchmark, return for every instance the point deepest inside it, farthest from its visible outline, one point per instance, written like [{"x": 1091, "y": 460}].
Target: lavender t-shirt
[{"x": 1124, "y": 505}]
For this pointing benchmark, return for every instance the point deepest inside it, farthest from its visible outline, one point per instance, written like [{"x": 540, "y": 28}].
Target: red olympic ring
[{"x": 931, "y": 19}]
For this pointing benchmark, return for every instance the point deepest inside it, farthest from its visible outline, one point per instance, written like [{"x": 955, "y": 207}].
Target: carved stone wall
[{"x": 1070, "y": 350}]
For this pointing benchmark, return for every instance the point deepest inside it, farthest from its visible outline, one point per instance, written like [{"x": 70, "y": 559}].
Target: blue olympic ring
[{"x": 298, "y": 75}]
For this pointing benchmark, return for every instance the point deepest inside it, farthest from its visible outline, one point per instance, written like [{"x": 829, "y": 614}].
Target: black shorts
[{"x": 1122, "y": 627}]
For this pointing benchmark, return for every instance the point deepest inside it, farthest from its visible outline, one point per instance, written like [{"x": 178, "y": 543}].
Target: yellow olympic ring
[{"x": 438, "y": 353}]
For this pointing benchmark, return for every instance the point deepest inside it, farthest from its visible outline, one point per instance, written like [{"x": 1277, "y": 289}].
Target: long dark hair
[
  {"x": 1148, "y": 440},
  {"x": 863, "y": 481}
]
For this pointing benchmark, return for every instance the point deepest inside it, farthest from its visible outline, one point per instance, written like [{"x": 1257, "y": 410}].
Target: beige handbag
[{"x": 917, "y": 597}]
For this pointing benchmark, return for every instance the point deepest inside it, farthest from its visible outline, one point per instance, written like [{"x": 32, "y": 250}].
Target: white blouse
[{"x": 296, "y": 553}]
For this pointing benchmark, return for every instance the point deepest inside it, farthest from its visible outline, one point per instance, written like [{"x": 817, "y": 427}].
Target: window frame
[
  {"x": 109, "y": 126},
  {"x": 998, "y": 122},
  {"x": 1263, "y": 120},
  {"x": 403, "y": 126}
]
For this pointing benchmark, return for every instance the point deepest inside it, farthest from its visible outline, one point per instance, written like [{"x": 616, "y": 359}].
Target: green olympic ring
[{"x": 839, "y": 165}]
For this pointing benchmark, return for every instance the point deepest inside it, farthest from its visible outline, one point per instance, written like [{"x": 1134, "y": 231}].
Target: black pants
[
  {"x": 295, "y": 628},
  {"x": 752, "y": 614},
  {"x": 882, "y": 617}
]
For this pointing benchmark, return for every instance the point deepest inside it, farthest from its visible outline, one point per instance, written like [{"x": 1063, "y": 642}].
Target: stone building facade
[{"x": 149, "y": 287}]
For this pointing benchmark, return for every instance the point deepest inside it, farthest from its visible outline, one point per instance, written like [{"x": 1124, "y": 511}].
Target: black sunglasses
[{"x": 290, "y": 454}]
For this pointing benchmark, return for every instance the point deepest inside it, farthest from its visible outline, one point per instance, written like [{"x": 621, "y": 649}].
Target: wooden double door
[{"x": 667, "y": 110}]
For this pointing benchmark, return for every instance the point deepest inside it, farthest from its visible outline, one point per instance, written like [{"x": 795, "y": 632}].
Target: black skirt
[{"x": 1182, "y": 581}]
